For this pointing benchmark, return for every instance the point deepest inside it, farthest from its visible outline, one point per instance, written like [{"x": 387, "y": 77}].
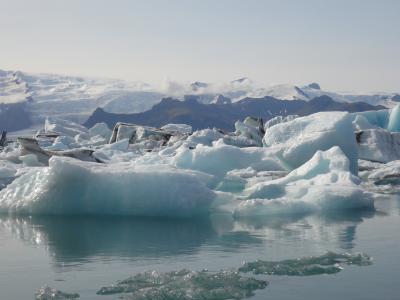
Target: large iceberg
[
  {"x": 70, "y": 186},
  {"x": 297, "y": 140}
]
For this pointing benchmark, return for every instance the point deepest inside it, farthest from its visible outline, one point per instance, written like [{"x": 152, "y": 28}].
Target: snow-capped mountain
[
  {"x": 76, "y": 98},
  {"x": 313, "y": 90},
  {"x": 73, "y": 97}
]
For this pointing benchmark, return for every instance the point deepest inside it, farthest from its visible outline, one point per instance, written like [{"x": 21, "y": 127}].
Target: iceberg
[
  {"x": 291, "y": 164},
  {"x": 386, "y": 173},
  {"x": 181, "y": 128},
  {"x": 311, "y": 187},
  {"x": 394, "y": 119},
  {"x": 252, "y": 129},
  {"x": 278, "y": 120},
  {"x": 220, "y": 158},
  {"x": 30, "y": 146},
  {"x": 378, "y": 134},
  {"x": 387, "y": 118},
  {"x": 378, "y": 145},
  {"x": 63, "y": 127},
  {"x": 297, "y": 140},
  {"x": 100, "y": 129},
  {"x": 70, "y": 186}
]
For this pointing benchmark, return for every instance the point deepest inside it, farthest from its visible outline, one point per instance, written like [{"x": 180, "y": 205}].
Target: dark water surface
[{"x": 82, "y": 254}]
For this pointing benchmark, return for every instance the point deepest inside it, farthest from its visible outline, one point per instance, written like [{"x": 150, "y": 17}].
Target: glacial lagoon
[{"x": 81, "y": 254}]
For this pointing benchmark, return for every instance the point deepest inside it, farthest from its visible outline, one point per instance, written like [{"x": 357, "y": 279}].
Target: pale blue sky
[{"x": 342, "y": 44}]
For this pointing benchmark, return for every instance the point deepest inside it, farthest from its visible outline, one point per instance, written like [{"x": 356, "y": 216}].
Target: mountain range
[
  {"x": 223, "y": 116},
  {"x": 27, "y": 99}
]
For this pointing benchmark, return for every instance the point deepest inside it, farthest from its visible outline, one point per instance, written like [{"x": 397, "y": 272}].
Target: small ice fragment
[
  {"x": 329, "y": 263},
  {"x": 48, "y": 293}
]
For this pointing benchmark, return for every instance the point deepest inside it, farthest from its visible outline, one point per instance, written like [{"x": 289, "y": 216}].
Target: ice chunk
[
  {"x": 63, "y": 143},
  {"x": 236, "y": 180},
  {"x": 361, "y": 123},
  {"x": 30, "y": 160},
  {"x": 251, "y": 129},
  {"x": 69, "y": 186},
  {"x": 377, "y": 118},
  {"x": 186, "y": 285},
  {"x": 329, "y": 263},
  {"x": 205, "y": 137},
  {"x": 31, "y": 146},
  {"x": 278, "y": 120},
  {"x": 366, "y": 165},
  {"x": 296, "y": 141},
  {"x": 311, "y": 187},
  {"x": 378, "y": 145},
  {"x": 386, "y": 173},
  {"x": 394, "y": 119},
  {"x": 386, "y": 119},
  {"x": 122, "y": 131},
  {"x": 181, "y": 128},
  {"x": 63, "y": 127},
  {"x": 221, "y": 158},
  {"x": 111, "y": 151},
  {"x": 7, "y": 169},
  {"x": 146, "y": 139},
  {"x": 48, "y": 293},
  {"x": 100, "y": 129}
]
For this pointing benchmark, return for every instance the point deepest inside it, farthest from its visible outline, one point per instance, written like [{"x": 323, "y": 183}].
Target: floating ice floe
[
  {"x": 48, "y": 293},
  {"x": 329, "y": 263},
  {"x": 216, "y": 285},
  {"x": 186, "y": 285}
]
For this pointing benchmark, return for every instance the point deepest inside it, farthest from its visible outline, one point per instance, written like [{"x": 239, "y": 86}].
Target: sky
[{"x": 345, "y": 45}]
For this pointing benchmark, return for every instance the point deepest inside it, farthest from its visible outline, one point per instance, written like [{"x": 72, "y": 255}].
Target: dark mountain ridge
[{"x": 223, "y": 116}]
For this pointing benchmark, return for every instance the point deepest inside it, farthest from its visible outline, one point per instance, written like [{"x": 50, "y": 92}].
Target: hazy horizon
[{"x": 343, "y": 45}]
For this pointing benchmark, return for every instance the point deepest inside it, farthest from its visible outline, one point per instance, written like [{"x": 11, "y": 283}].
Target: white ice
[
  {"x": 296, "y": 141},
  {"x": 299, "y": 168},
  {"x": 69, "y": 186},
  {"x": 323, "y": 183}
]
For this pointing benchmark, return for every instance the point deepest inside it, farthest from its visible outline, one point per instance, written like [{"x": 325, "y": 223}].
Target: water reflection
[
  {"x": 69, "y": 238},
  {"x": 79, "y": 239}
]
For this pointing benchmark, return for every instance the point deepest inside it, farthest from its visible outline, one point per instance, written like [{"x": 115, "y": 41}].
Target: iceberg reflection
[{"x": 81, "y": 239}]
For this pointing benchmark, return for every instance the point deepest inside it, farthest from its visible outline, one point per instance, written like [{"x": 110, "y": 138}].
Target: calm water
[{"x": 81, "y": 254}]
